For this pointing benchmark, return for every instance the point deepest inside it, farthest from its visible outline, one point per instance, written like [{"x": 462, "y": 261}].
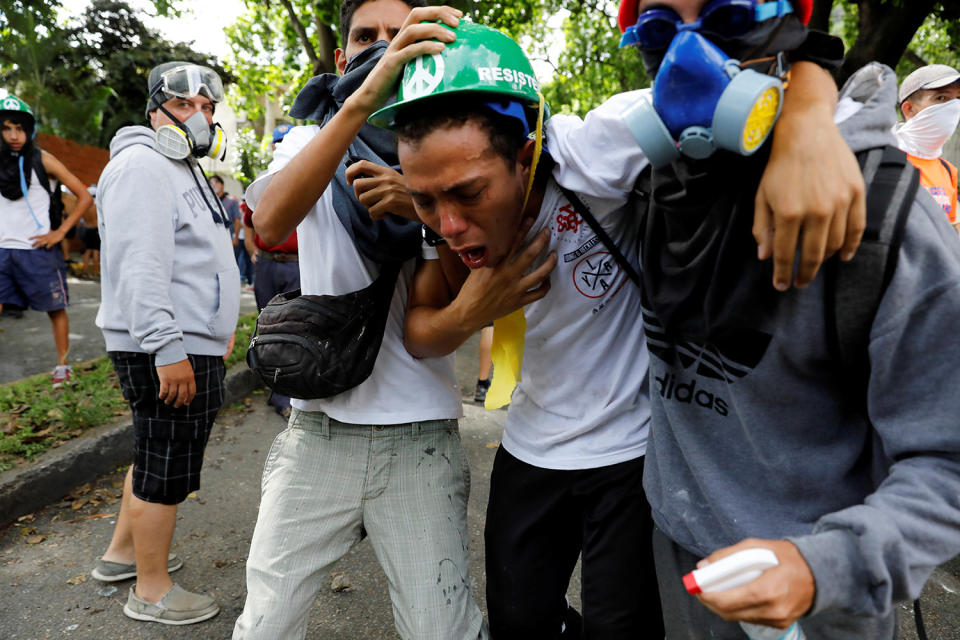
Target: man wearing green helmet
[
  {"x": 384, "y": 457},
  {"x": 32, "y": 270}
]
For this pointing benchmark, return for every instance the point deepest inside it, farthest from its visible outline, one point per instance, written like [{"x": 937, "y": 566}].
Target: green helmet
[
  {"x": 481, "y": 60},
  {"x": 11, "y": 103}
]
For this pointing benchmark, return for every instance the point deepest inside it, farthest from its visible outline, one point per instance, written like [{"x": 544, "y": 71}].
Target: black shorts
[
  {"x": 168, "y": 442},
  {"x": 91, "y": 239}
]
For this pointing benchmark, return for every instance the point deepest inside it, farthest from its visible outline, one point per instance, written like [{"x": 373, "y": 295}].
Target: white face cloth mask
[{"x": 924, "y": 134}]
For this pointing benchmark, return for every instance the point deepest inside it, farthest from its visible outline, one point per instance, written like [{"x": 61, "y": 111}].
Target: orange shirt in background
[{"x": 940, "y": 179}]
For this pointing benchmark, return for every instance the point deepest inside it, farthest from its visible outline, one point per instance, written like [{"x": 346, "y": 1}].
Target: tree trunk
[
  {"x": 302, "y": 34},
  {"x": 885, "y": 29},
  {"x": 326, "y": 45},
  {"x": 820, "y": 18}
]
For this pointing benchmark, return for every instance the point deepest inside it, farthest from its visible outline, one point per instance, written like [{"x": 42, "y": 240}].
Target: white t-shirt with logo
[
  {"x": 19, "y": 222},
  {"x": 582, "y": 402},
  {"x": 401, "y": 388}
]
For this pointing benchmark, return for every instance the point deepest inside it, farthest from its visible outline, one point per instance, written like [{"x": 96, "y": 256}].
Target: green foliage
[
  {"x": 937, "y": 41},
  {"x": 86, "y": 79},
  {"x": 245, "y": 326},
  {"x": 591, "y": 68},
  {"x": 251, "y": 156},
  {"x": 267, "y": 60}
]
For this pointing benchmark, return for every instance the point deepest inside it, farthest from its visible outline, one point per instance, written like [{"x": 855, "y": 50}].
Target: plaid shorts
[{"x": 168, "y": 442}]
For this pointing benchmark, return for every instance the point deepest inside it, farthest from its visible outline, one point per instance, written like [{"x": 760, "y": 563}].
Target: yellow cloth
[
  {"x": 507, "y": 355},
  {"x": 506, "y": 352}
]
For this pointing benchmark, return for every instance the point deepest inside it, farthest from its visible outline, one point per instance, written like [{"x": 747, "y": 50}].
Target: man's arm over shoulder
[
  {"x": 138, "y": 209},
  {"x": 597, "y": 156},
  {"x": 884, "y": 550}
]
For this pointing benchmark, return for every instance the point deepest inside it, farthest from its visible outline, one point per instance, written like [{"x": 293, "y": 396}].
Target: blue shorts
[{"x": 34, "y": 277}]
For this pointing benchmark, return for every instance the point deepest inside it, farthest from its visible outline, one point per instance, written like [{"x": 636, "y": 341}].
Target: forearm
[
  {"x": 432, "y": 332},
  {"x": 84, "y": 200},
  {"x": 811, "y": 87},
  {"x": 454, "y": 271},
  {"x": 295, "y": 189},
  {"x": 867, "y": 557},
  {"x": 248, "y": 242}
]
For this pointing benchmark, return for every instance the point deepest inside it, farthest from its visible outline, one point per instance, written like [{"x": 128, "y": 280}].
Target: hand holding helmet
[{"x": 422, "y": 33}]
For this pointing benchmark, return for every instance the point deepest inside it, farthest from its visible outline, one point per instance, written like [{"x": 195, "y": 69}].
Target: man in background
[{"x": 931, "y": 112}]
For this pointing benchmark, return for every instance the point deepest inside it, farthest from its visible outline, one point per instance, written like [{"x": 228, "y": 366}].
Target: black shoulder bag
[{"x": 312, "y": 347}]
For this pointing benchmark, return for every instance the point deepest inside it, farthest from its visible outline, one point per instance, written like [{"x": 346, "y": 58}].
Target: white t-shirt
[
  {"x": 582, "y": 401},
  {"x": 401, "y": 388},
  {"x": 18, "y": 224}
]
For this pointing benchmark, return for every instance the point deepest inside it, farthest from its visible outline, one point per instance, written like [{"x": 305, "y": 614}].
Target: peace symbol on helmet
[
  {"x": 421, "y": 82},
  {"x": 11, "y": 104}
]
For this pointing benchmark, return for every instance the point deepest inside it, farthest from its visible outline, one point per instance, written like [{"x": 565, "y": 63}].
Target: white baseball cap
[{"x": 932, "y": 76}]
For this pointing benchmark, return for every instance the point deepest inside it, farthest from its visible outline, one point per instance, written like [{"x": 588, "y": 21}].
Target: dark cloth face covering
[
  {"x": 10, "y": 169},
  {"x": 393, "y": 239},
  {"x": 700, "y": 270}
]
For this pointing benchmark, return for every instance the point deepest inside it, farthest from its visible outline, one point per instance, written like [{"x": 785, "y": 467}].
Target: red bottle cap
[{"x": 690, "y": 583}]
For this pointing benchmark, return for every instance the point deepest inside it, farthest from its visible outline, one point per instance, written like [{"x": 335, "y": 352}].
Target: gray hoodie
[
  {"x": 791, "y": 456},
  {"x": 169, "y": 281}
]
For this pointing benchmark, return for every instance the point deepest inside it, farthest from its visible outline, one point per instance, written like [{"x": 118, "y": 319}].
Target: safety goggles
[
  {"x": 724, "y": 19},
  {"x": 191, "y": 80}
]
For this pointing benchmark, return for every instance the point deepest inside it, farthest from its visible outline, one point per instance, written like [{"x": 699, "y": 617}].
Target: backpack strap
[
  {"x": 605, "y": 238},
  {"x": 946, "y": 165},
  {"x": 40, "y": 171},
  {"x": 854, "y": 289}
]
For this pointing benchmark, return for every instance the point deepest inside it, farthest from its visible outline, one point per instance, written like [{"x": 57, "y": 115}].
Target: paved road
[{"x": 26, "y": 344}]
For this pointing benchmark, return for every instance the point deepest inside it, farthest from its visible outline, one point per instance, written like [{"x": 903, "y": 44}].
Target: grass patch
[
  {"x": 34, "y": 417},
  {"x": 245, "y": 326}
]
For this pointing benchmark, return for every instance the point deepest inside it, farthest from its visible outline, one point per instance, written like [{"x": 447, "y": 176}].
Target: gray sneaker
[
  {"x": 107, "y": 571},
  {"x": 179, "y": 606}
]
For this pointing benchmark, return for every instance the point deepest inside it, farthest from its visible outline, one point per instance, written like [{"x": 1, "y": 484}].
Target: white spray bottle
[{"x": 734, "y": 571}]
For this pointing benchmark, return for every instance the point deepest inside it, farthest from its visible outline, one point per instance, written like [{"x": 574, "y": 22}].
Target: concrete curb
[{"x": 29, "y": 487}]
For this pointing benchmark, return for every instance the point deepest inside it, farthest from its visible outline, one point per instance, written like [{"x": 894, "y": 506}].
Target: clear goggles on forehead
[
  {"x": 191, "y": 80},
  {"x": 725, "y": 19}
]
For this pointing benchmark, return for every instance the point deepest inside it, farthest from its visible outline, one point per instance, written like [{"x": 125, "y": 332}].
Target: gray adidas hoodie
[
  {"x": 169, "y": 281},
  {"x": 779, "y": 453}
]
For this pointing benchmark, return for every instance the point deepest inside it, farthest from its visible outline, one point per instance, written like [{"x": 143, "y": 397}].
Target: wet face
[
  {"x": 466, "y": 191},
  {"x": 182, "y": 109},
  {"x": 372, "y": 21},
  {"x": 920, "y": 100},
  {"x": 14, "y": 135}
]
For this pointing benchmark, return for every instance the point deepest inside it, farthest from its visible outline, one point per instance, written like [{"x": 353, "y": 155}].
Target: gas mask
[
  {"x": 194, "y": 137},
  {"x": 703, "y": 99}
]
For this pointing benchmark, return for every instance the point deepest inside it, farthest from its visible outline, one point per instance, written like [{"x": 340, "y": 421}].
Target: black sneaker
[{"x": 480, "y": 395}]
